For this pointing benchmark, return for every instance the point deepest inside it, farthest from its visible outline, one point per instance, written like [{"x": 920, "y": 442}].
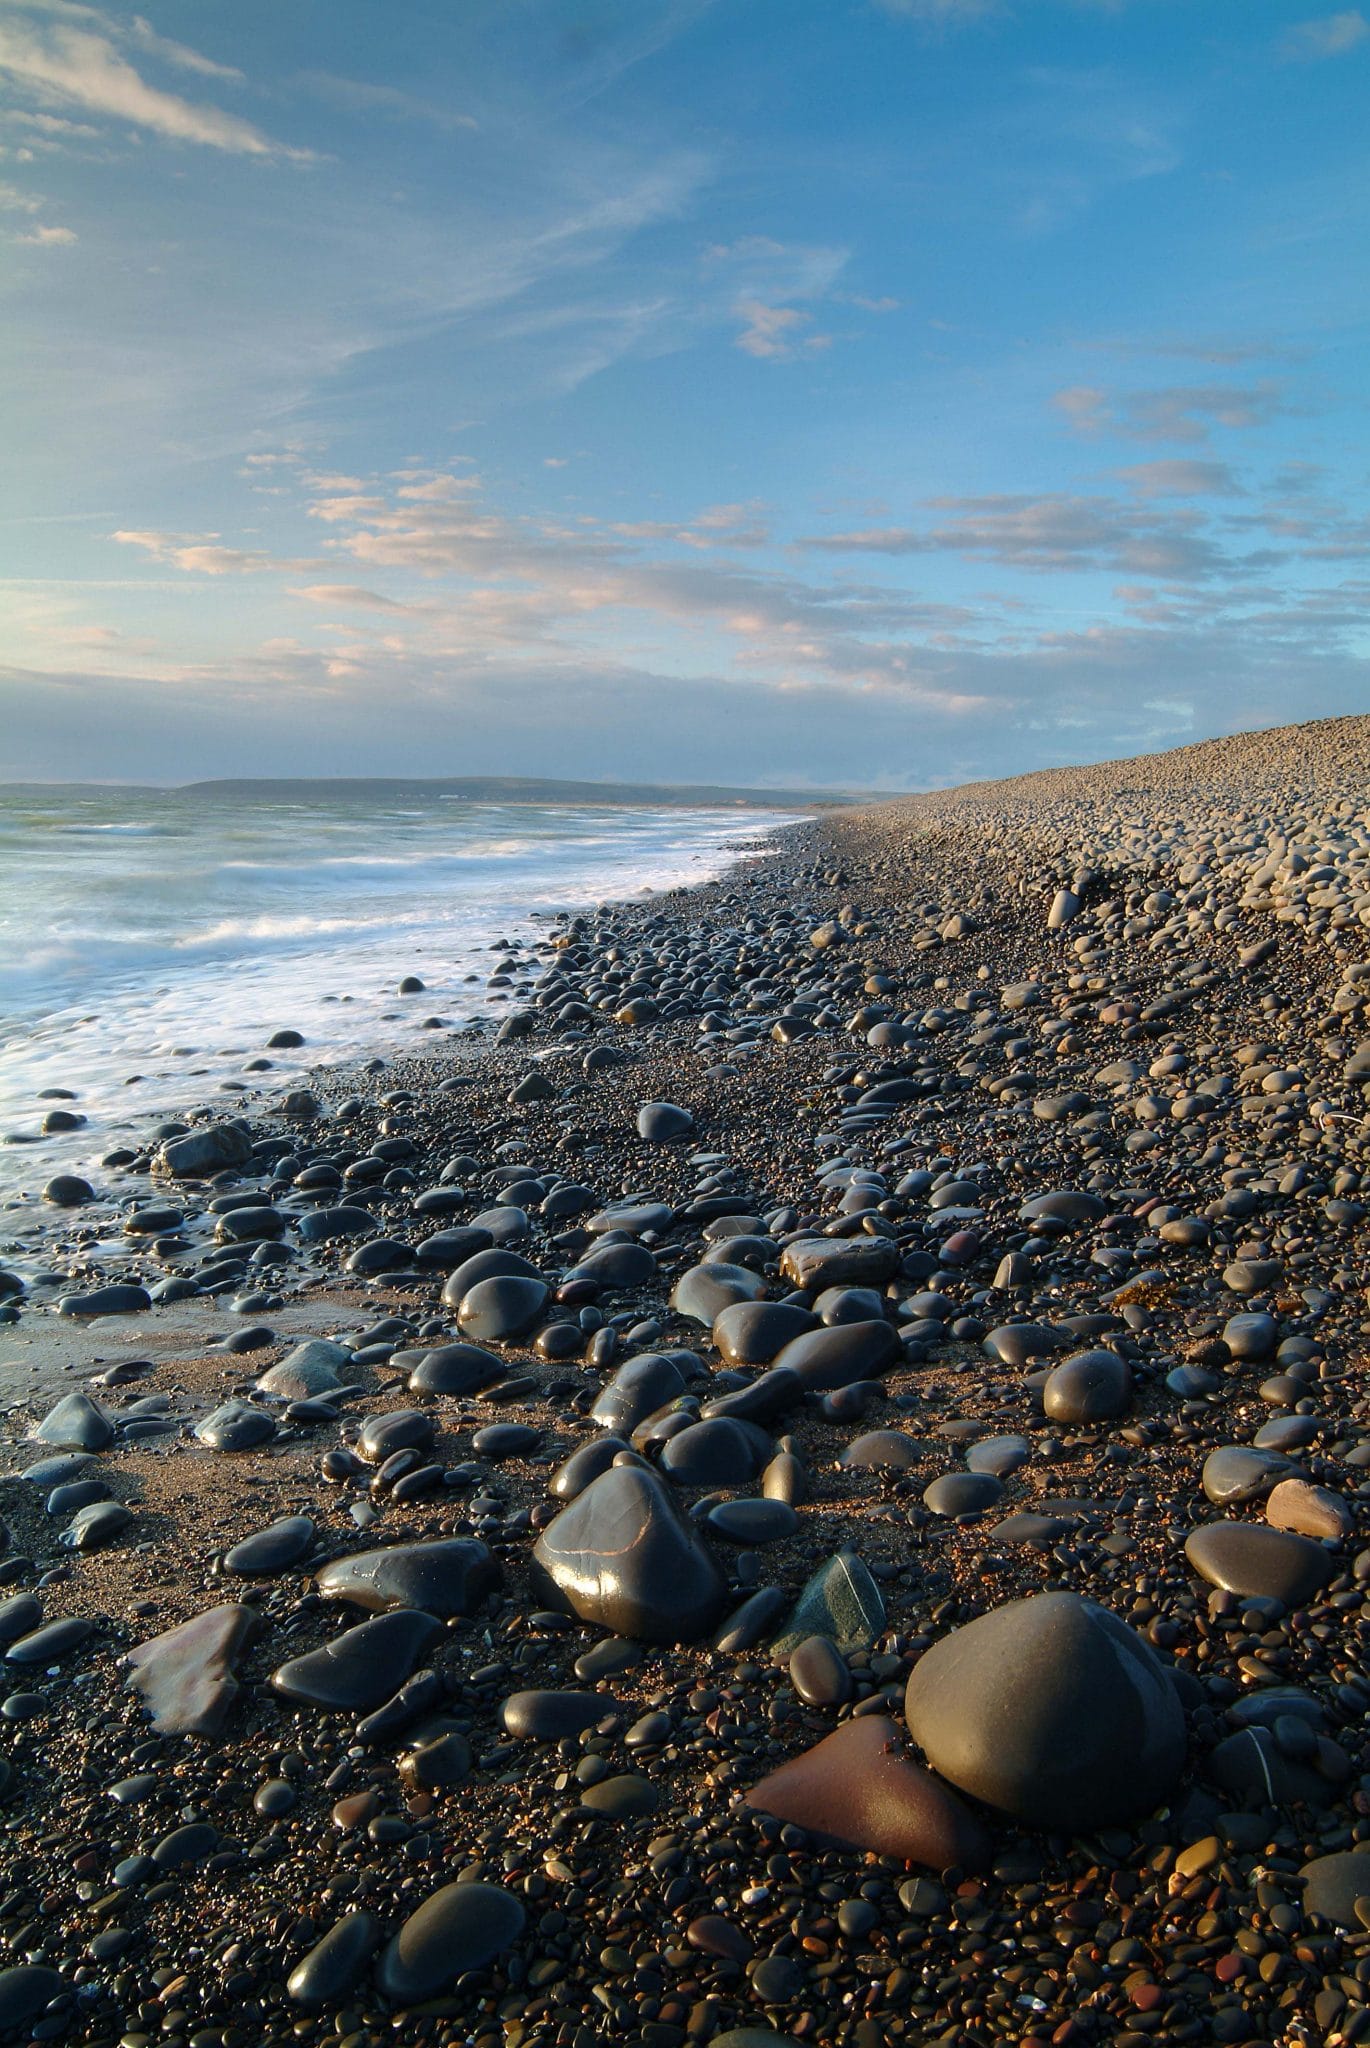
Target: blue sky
[{"x": 876, "y": 393}]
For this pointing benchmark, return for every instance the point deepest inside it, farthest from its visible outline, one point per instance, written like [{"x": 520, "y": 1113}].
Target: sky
[{"x": 852, "y": 393}]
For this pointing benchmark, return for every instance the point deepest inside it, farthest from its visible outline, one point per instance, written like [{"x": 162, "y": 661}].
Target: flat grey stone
[
  {"x": 839, "y": 1355},
  {"x": 310, "y": 1369},
  {"x": 703, "y": 1292},
  {"x": 841, "y": 1601},
  {"x": 77, "y": 1423},
  {"x": 818, "y": 1262},
  {"x": 236, "y": 1426},
  {"x": 639, "y": 1387},
  {"x": 273, "y": 1549},
  {"x": 502, "y": 1309},
  {"x": 185, "y": 1675},
  {"x": 1093, "y": 1386},
  {"x": 1250, "y": 1559},
  {"x": 332, "y": 1967},
  {"x": 96, "y": 1524}
]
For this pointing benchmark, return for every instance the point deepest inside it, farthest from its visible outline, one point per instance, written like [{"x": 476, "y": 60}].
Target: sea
[{"x": 151, "y": 941}]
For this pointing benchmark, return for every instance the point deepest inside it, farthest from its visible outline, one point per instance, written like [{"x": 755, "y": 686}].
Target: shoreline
[{"x": 1179, "y": 1056}]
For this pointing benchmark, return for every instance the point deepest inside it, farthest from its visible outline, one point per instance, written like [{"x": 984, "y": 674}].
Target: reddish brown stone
[
  {"x": 857, "y": 1787},
  {"x": 186, "y": 1675}
]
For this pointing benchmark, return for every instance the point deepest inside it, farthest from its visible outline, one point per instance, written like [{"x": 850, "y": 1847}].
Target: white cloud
[
  {"x": 1331, "y": 35},
  {"x": 204, "y": 556},
  {"x": 350, "y": 594},
  {"x": 81, "y": 67},
  {"x": 1178, "y": 477},
  {"x": 1179, "y": 412},
  {"x": 775, "y": 333},
  {"x": 48, "y": 238},
  {"x": 367, "y": 97},
  {"x": 145, "y": 35},
  {"x": 1047, "y": 534}
]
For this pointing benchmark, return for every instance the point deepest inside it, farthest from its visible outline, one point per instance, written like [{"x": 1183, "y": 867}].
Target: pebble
[
  {"x": 460, "y": 1928},
  {"x": 1248, "y": 1558},
  {"x": 359, "y": 1669},
  {"x": 449, "y": 1577}
]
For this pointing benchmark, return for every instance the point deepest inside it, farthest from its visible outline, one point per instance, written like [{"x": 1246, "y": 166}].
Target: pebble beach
[{"x": 807, "y": 1482}]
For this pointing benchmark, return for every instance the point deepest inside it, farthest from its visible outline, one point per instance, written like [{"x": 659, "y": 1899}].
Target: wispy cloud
[
  {"x": 1330, "y": 35},
  {"x": 350, "y": 595},
  {"x": 1047, "y": 534},
  {"x": 772, "y": 284},
  {"x": 145, "y": 35},
  {"x": 942, "y": 13},
  {"x": 55, "y": 61},
  {"x": 48, "y": 237},
  {"x": 204, "y": 555},
  {"x": 1178, "y": 477},
  {"x": 775, "y": 333},
  {"x": 365, "y": 97},
  {"x": 1181, "y": 412}
]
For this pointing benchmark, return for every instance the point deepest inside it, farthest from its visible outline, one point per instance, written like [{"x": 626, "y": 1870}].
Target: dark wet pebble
[
  {"x": 819, "y": 1674},
  {"x": 963, "y": 1493},
  {"x": 1248, "y": 1558},
  {"x": 77, "y": 1423},
  {"x": 359, "y": 1669},
  {"x": 273, "y": 1549},
  {"x": 547, "y": 1716},
  {"x": 236, "y": 1426},
  {"x": 447, "y": 1577},
  {"x": 458, "y": 1929},
  {"x": 753, "y": 1521}
]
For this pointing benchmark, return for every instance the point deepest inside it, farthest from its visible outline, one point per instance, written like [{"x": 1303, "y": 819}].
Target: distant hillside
[{"x": 520, "y": 789}]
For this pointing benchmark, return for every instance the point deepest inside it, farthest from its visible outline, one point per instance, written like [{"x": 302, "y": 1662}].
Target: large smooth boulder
[
  {"x": 623, "y": 1555},
  {"x": 1094, "y": 1386},
  {"x": 1052, "y": 1710}
]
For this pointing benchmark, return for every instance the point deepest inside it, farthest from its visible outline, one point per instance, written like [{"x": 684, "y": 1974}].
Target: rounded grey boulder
[
  {"x": 1052, "y": 1710},
  {"x": 659, "y": 1122},
  {"x": 1093, "y": 1386}
]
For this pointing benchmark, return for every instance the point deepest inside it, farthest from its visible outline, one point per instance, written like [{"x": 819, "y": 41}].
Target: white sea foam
[{"x": 135, "y": 924}]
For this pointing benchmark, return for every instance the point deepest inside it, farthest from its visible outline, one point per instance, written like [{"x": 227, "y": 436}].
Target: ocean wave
[
  {"x": 385, "y": 866},
  {"x": 92, "y": 961},
  {"x": 124, "y": 829}
]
